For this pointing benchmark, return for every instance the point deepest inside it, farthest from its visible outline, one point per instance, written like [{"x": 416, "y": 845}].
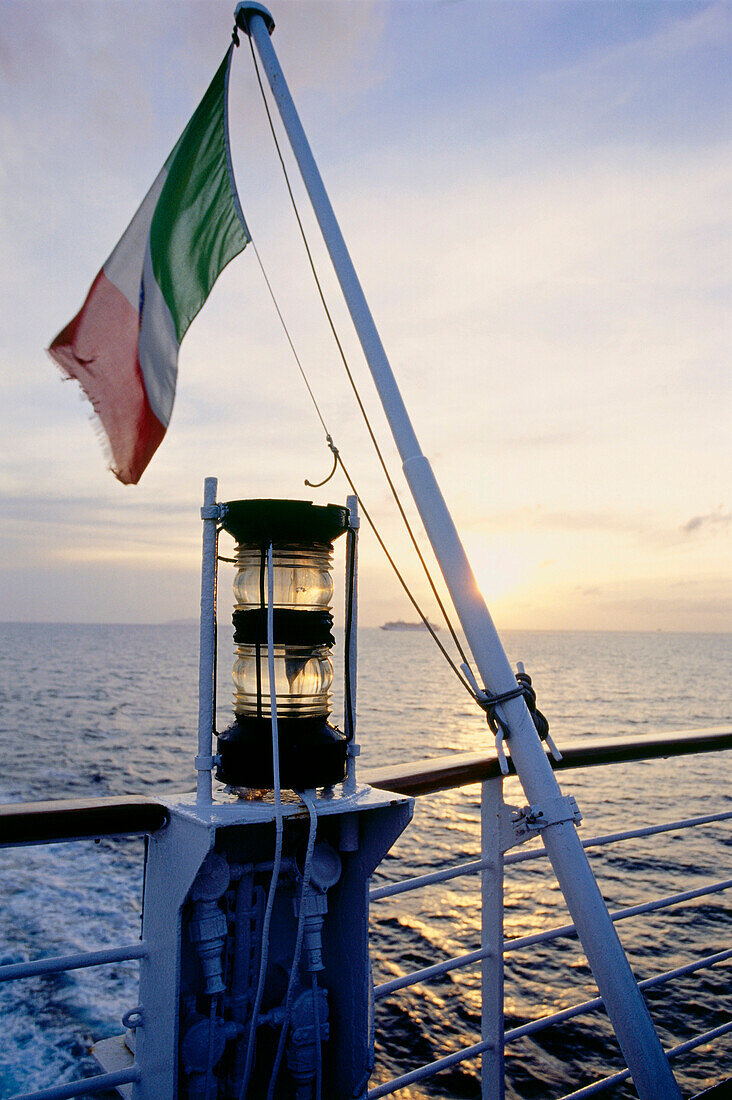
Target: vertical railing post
[
  {"x": 207, "y": 652},
  {"x": 492, "y": 1072},
  {"x": 351, "y": 655}
]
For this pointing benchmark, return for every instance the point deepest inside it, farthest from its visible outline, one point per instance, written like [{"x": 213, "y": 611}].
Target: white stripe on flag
[
  {"x": 158, "y": 348},
  {"x": 124, "y": 266}
]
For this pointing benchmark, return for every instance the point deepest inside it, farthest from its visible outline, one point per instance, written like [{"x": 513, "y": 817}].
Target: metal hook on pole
[{"x": 319, "y": 484}]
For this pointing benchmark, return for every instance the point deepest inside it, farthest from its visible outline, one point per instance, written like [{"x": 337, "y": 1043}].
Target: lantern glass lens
[
  {"x": 302, "y": 582},
  {"x": 303, "y": 677},
  {"x": 301, "y": 575}
]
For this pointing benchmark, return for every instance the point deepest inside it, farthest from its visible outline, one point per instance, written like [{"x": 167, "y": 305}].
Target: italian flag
[{"x": 122, "y": 347}]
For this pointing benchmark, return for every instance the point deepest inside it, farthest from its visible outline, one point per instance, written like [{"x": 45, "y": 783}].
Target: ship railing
[
  {"x": 96, "y": 818},
  {"x": 460, "y": 770},
  {"x": 70, "y": 820}
]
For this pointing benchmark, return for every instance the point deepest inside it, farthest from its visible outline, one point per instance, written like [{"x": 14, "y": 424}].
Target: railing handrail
[
  {"x": 443, "y": 773},
  {"x": 532, "y": 1027},
  {"x": 71, "y": 819},
  {"x": 79, "y": 819},
  {"x": 57, "y": 964},
  {"x": 548, "y": 935},
  {"x": 475, "y": 866},
  {"x": 101, "y": 1083},
  {"x": 675, "y": 1052},
  {"x": 82, "y": 818},
  {"x": 462, "y": 769}
]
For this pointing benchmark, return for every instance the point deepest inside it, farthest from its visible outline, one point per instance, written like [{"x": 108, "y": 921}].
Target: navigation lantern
[{"x": 312, "y": 753}]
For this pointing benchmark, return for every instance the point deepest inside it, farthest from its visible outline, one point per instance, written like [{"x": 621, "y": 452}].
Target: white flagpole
[{"x": 624, "y": 1002}]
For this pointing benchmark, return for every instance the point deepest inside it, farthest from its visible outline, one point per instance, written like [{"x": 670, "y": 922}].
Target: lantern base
[{"x": 312, "y": 753}]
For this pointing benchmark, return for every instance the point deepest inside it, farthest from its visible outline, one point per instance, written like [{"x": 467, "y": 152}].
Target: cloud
[
  {"x": 716, "y": 520},
  {"x": 655, "y": 82},
  {"x": 544, "y": 257},
  {"x": 526, "y": 519},
  {"x": 632, "y": 603},
  {"x": 593, "y": 521}
]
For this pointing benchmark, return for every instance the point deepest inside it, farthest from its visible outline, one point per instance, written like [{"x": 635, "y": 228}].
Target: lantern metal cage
[{"x": 312, "y": 753}]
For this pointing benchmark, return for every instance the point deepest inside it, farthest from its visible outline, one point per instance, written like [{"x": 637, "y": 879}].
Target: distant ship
[{"x": 401, "y": 625}]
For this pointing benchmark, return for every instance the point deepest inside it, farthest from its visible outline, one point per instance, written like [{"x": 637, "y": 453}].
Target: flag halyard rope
[{"x": 338, "y": 459}]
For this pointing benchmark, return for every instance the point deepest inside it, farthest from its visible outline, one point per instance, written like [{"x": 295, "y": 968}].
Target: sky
[{"x": 536, "y": 199}]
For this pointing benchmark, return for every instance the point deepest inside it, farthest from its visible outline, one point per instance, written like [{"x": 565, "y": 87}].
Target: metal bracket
[
  {"x": 212, "y": 511},
  {"x": 521, "y": 823},
  {"x": 206, "y": 763},
  {"x": 134, "y": 1018}
]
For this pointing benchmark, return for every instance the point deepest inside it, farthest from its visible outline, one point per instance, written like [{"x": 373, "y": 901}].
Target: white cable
[
  {"x": 318, "y": 1051},
  {"x": 209, "y": 1061},
  {"x": 306, "y": 873},
  {"x": 278, "y": 830}
]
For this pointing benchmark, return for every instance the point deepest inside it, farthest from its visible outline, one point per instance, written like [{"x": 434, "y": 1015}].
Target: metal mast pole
[{"x": 625, "y": 1006}]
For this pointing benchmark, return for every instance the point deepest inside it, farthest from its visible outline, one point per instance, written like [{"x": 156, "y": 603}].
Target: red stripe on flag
[{"x": 99, "y": 349}]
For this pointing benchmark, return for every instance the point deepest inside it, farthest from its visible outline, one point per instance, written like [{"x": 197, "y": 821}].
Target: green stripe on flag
[{"x": 197, "y": 227}]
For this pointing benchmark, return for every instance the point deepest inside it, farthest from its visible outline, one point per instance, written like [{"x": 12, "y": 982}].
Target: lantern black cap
[{"x": 264, "y": 521}]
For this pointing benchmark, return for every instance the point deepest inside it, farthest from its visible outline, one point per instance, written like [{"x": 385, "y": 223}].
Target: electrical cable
[
  {"x": 334, "y": 449},
  {"x": 351, "y": 379},
  {"x": 318, "y": 1051},
  {"x": 289, "y": 340},
  {"x": 306, "y": 874},
  {"x": 213, "y": 1012},
  {"x": 257, "y": 644},
  {"x": 279, "y": 830},
  {"x": 402, "y": 581},
  {"x": 369, "y": 520}
]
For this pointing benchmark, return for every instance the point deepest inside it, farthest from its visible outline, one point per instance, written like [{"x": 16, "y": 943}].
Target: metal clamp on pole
[
  {"x": 522, "y": 823},
  {"x": 206, "y": 763},
  {"x": 528, "y": 821}
]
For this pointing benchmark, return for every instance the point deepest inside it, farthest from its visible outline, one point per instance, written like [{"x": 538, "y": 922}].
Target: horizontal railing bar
[
  {"x": 79, "y": 819},
  {"x": 428, "y": 972},
  {"x": 619, "y": 914},
  {"x": 628, "y": 834},
  {"x": 533, "y": 1026},
  {"x": 420, "y": 1074},
  {"x": 675, "y": 1052},
  {"x": 444, "y": 875},
  {"x": 430, "y": 1070},
  {"x": 53, "y": 965},
  {"x": 599, "y": 1086},
  {"x": 100, "y": 1083},
  {"x": 461, "y": 961},
  {"x": 444, "y": 773},
  {"x": 700, "y": 1040},
  {"x": 477, "y": 865}
]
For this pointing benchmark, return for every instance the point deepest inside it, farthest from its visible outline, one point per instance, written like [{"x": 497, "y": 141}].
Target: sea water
[{"x": 105, "y": 710}]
